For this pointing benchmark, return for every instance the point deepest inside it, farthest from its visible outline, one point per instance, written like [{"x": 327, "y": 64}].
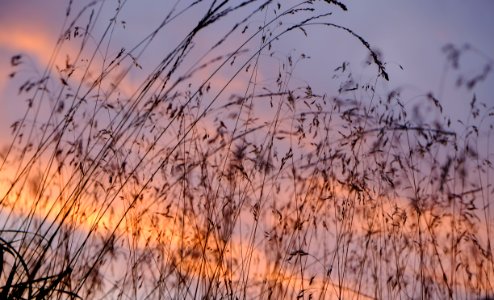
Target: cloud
[{"x": 34, "y": 42}]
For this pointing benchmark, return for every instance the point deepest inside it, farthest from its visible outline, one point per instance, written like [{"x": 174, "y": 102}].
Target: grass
[{"x": 221, "y": 176}]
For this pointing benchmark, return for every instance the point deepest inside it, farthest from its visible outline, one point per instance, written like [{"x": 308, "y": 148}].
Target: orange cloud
[{"x": 32, "y": 41}]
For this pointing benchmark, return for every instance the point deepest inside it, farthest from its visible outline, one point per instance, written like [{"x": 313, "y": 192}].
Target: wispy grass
[{"x": 218, "y": 176}]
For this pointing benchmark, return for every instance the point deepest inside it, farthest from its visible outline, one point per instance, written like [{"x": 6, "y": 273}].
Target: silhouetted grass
[{"x": 220, "y": 176}]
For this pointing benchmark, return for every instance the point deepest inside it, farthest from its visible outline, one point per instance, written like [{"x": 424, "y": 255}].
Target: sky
[{"x": 410, "y": 36}]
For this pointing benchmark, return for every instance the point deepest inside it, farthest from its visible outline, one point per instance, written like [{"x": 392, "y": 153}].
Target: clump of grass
[{"x": 204, "y": 181}]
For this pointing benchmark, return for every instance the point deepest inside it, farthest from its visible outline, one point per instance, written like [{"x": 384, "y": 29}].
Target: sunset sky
[
  {"x": 410, "y": 36},
  {"x": 408, "y": 33}
]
